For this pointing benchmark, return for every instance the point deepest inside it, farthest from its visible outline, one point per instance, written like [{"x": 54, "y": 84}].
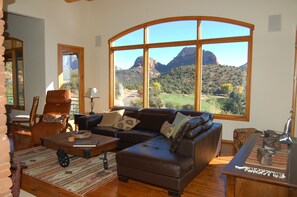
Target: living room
[{"x": 79, "y": 23}]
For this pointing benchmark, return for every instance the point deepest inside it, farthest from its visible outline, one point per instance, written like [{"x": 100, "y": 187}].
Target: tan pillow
[
  {"x": 110, "y": 118},
  {"x": 126, "y": 123},
  {"x": 179, "y": 121},
  {"x": 53, "y": 117},
  {"x": 167, "y": 129}
]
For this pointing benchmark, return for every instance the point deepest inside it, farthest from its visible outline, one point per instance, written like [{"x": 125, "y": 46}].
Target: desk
[{"x": 244, "y": 184}]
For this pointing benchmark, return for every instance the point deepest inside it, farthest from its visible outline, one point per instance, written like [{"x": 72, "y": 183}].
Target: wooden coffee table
[{"x": 63, "y": 147}]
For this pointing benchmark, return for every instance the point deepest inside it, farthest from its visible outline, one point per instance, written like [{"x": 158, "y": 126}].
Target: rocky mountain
[
  {"x": 187, "y": 56},
  {"x": 153, "y": 65}
]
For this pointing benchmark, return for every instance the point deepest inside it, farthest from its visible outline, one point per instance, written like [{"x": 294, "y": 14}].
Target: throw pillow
[
  {"x": 167, "y": 129},
  {"x": 178, "y": 137},
  {"x": 179, "y": 121},
  {"x": 110, "y": 118},
  {"x": 126, "y": 123},
  {"x": 53, "y": 117}
]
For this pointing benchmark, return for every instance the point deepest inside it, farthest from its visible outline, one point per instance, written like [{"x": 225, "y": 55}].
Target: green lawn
[
  {"x": 178, "y": 98},
  {"x": 209, "y": 103}
]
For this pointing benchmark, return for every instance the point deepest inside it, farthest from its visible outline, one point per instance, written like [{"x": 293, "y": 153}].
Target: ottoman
[
  {"x": 152, "y": 162},
  {"x": 240, "y": 136}
]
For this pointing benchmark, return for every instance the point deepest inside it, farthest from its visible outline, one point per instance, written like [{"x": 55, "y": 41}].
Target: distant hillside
[{"x": 181, "y": 79}]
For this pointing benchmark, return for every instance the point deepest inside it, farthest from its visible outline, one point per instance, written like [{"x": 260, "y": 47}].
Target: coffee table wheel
[{"x": 63, "y": 158}]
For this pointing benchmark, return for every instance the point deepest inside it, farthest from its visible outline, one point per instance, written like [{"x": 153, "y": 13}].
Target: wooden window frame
[
  {"x": 80, "y": 52},
  {"x": 16, "y": 105},
  {"x": 198, "y": 43}
]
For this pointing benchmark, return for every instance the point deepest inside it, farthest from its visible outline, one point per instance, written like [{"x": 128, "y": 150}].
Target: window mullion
[
  {"x": 145, "y": 70},
  {"x": 198, "y": 70},
  {"x": 14, "y": 77}
]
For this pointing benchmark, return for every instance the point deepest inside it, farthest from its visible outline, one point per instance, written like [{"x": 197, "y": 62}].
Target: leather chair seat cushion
[
  {"x": 154, "y": 156},
  {"x": 136, "y": 136}
]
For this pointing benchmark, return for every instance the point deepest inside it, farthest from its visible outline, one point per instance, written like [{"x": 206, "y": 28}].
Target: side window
[
  {"x": 184, "y": 63},
  {"x": 14, "y": 73}
]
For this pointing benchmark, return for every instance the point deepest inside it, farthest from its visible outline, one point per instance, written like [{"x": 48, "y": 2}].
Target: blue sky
[{"x": 234, "y": 54}]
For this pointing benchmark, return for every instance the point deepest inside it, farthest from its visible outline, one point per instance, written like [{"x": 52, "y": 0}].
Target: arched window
[
  {"x": 14, "y": 73},
  {"x": 197, "y": 63}
]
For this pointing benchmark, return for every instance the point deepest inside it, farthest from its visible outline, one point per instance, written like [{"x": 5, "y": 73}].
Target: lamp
[{"x": 92, "y": 93}]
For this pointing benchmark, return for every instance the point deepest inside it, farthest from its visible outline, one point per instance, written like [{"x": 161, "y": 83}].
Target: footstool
[{"x": 240, "y": 136}]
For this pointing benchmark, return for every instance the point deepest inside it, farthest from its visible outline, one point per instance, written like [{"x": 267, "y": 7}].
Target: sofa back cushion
[
  {"x": 152, "y": 118},
  {"x": 194, "y": 113},
  {"x": 129, "y": 111}
]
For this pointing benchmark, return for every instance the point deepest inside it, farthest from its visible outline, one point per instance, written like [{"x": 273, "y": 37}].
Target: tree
[
  {"x": 154, "y": 94},
  {"x": 235, "y": 104},
  {"x": 226, "y": 88}
]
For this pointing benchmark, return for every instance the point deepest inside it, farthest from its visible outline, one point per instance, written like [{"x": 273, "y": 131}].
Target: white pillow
[
  {"x": 126, "y": 123},
  {"x": 110, "y": 118}
]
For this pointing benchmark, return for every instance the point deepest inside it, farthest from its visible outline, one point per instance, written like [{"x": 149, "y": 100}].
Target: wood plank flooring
[{"x": 209, "y": 183}]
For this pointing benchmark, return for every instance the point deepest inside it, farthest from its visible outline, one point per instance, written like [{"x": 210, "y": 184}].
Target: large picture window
[{"x": 196, "y": 63}]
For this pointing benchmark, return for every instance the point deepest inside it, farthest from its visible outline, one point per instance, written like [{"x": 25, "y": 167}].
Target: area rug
[{"x": 80, "y": 177}]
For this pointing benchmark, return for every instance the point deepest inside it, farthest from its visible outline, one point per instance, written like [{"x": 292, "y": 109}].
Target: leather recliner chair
[{"x": 54, "y": 119}]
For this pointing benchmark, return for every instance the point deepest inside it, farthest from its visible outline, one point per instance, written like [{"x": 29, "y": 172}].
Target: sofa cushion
[
  {"x": 154, "y": 156},
  {"x": 136, "y": 136},
  {"x": 107, "y": 131},
  {"x": 152, "y": 118},
  {"x": 198, "y": 120},
  {"x": 191, "y": 133},
  {"x": 129, "y": 111},
  {"x": 110, "y": 118},
  {"x": 126, "y": 123}
]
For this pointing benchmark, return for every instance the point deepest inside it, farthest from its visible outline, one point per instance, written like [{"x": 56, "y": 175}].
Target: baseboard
[{"x": 227, "y": 142}]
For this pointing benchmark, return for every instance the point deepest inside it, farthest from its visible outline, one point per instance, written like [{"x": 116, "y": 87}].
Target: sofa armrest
[
  {"x": 206, "y": 145},
  {"x": 89, "y": 121}
]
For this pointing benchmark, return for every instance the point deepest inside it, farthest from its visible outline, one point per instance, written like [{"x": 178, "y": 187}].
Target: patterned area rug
[{"x": 80, "y": 177}]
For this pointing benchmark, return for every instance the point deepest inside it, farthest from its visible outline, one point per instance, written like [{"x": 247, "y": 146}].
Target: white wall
[
  {"x": 273, "y": 52},
  {"x": 60, "y": 26},
  {"x": 31, "y": 32}
]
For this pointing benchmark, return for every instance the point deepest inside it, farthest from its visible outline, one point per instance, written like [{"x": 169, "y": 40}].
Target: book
[{"x": 86, "y": 143}]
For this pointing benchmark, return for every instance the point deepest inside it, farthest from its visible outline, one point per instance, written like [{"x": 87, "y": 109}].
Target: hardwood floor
[{"x": 209, "y": 183}]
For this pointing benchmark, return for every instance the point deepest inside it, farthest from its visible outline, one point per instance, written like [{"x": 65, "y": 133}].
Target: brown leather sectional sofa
[{"x": 147, "y": 155}]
